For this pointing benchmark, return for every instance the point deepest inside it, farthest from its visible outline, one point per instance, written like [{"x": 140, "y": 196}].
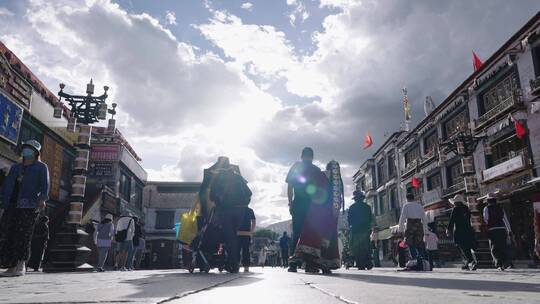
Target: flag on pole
[
  {"x": 368, "y": 141},
  {"x": 406, "y": 106},
  {"x": 477, "y": 63},
  {"x": 415, "y": 182},
  {"x": 520, "y": 129}
]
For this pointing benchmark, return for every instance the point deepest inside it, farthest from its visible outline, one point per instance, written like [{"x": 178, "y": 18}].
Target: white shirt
[
  {"x": 431, "y": 240},
  {"x": 412, "y": 210},
  {"x": 505, "y": 220},
  {"x": 123, "y": 224}
]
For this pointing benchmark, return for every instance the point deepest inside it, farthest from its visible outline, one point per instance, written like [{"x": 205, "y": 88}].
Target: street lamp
[{"x": 69, "y": 251}]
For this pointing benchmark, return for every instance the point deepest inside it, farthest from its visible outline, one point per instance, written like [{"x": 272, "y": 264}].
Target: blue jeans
[{"x": 127, "y": 246}]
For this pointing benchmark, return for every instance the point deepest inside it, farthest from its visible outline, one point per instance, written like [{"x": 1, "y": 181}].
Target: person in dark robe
[
  {"x": 39, "y": 243},
  {"x": 301, "y": 189},
  {"x": 361, "y": 223},
  {"x": 460, "y": 226},
  {"x": 499, "y": 231}
]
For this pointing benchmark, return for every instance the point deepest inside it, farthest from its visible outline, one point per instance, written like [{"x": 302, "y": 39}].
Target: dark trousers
[
  {"x": 285, "y": 257},
  {"x": 229, "y": 219},
  {"x": 497, "y": 244},
  {"x": 243, "y": 250},
  {"x": 467, "y": 254},
  {"x": 36, "y": 252},
  {"x": 298, "y": 219},
  {"x": 431, "y": 257},
  {"x": 16, "y": 230}
]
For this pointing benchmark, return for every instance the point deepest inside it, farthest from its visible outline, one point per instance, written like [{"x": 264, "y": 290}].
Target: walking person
[
  {"x": 284, "y": 246},
  {"x": 247, "y": 227},
  {"x": 300, "y": 183},
  {"x": 361, "y": 223},
  {"x": 137, "y": 235},
  {"x": 139, "y": 252},
  {"x": 263, "y": 255},
  {"x": 125, "y": 230},
  {"x": 413, "y": 224},
  {"x": 432, "y": 244},
  {"x": 231, "y": 196},
  {"x": 23, "y": 194},
  {"x": 39, "y": 243},
  {"x": 104, "y": 238},
  {"x": 460, "y": 226},
  {"x": 498, "y": 232}
]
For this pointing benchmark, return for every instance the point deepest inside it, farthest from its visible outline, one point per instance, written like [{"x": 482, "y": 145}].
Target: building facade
[{"x": 164, "y": 203}]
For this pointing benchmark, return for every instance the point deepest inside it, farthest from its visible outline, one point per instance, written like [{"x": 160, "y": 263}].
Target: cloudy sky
[{"x": 258, "y": 80}]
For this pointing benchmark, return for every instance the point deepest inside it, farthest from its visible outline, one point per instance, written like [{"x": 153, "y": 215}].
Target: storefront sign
[
  {"x": 52, "y": 154},
  {"x": 98, "y": 169},
  {"x": 503, "y": 168},
  {"x": 10, "y": 119},
  {"x": 507, "y": 184},
  {"x": 104, "y": 153}
]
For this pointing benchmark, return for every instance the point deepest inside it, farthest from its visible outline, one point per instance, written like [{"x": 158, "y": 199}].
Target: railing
[
  {"x": 410, "y": 166},
  {"x": 535, "y": 86},
  {"x": 430, "y": 155},
  {"x": 511, "y": 155},
  {"x": 454, "y": 188},
  {"x": 504, "y": 105},
  {"x": 507, "y": 165}
]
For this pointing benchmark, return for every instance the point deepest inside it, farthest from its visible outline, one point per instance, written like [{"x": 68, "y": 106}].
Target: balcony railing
[
  {"x": 515, "y": 161},
  {"x": 504, "y": 105},
  {"x": 535, "y": 86},
  {"x": 410, "y": 167},
  {"x": 455, "y": 188}
]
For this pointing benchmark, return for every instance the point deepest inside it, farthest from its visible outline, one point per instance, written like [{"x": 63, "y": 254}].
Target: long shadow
[{"x": 452, "y": 284}]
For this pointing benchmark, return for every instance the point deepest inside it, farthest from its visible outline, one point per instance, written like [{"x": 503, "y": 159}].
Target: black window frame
[
  {"x": 125, "y": 186},
  {"x": 430, "y": 180},
  {"x": 164, "y": 219}
]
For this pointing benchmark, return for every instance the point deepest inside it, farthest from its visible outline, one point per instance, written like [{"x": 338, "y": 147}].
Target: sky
[{"x": 258, "y": 80}]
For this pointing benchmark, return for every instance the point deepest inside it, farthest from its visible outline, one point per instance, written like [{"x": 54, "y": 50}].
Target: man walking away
[
  {"x": 498, "y": 232},
  {"x": 299, "y": 179},
  {"x": 460, "y": 226},
  {"x": 136, "y": 241},
  {"x": 231, "y": 195},
  {"x": 284, "y": 246},
  {"x": 413, "y": 223},
  {"x": 125, "y": 230},
  {"x": 247, "y": 227},
  {"x": 361, "y": 224}
]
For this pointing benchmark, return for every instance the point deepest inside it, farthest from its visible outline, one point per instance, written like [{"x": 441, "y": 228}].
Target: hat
[
  {"x": 457, "y": 198},
  {"x": 109, "y": 217},
  {"x": 34, "y": 144},
  {"x": 358, "y": 194}
]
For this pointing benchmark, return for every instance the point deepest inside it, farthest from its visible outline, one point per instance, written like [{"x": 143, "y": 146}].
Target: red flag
[
  {"x": 368, "y": 141},
  {"x": 477, "y": 63},
  {"x": 415, "y": 182},
  {"x": 520, "y": 129}
]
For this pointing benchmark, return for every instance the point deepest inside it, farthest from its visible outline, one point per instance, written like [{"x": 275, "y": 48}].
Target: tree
[{"x": 267, "y": 233}]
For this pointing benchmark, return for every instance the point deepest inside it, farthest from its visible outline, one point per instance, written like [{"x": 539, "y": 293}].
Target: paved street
[{"x": 275, "y": 286}]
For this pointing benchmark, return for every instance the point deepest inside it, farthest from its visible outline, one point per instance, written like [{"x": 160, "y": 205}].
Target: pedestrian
[
  {"x": 262, "y": 255},
  {"x": 245, "y": 233},
  {"x": 125, "y": 230},
  {"x": 39, "y": 243},
  {"x": 413, "y": 224},
  {"x": 136, "y": 239},
  {"x": 460, "y": 226},
  {"x": 361, "y": 223},
  {"x": 231, "y": 195},
  {"x": 499, "y": 231},
  {"x": 300, "y": 185},
  {"x": 23, "y": 194},
  {"x": 402, "y": 253},
  {"x": 139, "y": 252},
  {"x": 432, "y": 244},
  {"x": 104, "y": 238},
  {"x": 284, "y": 246}
]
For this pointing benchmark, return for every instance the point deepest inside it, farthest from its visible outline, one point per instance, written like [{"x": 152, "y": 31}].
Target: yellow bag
[{"x": 188, "y": 224}]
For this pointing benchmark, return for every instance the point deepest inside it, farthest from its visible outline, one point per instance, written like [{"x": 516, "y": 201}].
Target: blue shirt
[{"x": 33, "y": 185}]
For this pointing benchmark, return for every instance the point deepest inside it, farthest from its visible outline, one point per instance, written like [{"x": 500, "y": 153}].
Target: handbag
[
  {"x": 188, "y": 225},
  {"x": 122, "y": 234}
]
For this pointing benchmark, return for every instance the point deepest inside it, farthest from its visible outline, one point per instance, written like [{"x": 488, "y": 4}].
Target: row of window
[{"x": 125, "y": 191}]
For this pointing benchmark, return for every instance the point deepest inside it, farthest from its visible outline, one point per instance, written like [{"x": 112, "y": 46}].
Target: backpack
[{"x": 122, "y": 234}]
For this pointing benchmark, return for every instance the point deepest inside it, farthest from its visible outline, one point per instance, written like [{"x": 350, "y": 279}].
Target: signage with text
[
  {"x": 10, "y": 119},
  {"x": 104, "y": 153},
  {"x": 503, "y": 168}
]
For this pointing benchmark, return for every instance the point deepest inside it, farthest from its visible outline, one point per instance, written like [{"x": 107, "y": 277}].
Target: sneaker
[
  {"x": 123, "y": 269},
  {"x": 474, "y": 266},
  {"x": 500, "y": 268},
  {"x": 465, "y": 267}
]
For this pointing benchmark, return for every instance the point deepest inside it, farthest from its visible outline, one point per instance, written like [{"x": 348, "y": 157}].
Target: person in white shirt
[
  {"x": 414, "y": 224},
  {"x": 125, "y": 230}
]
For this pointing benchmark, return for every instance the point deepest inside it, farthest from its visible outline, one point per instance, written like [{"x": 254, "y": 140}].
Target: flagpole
[{"x": 406, "y": 109}]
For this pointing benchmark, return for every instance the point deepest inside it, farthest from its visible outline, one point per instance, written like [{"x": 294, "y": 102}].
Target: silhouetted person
[
  {"x": 460, "y": 226},
  {"x": 498, "y": 232},
  {"x": 361, "y": 224},
  {"x": 284, "y": 246}
]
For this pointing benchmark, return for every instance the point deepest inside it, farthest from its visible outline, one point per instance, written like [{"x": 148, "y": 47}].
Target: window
[
  {"x": 434, "y": 181},
  {"x": 137, "y": 199},
  {"x": 456, "y": 124},
  {"x": 382, "y": 203},
  {"x": 505, "y": 149},
  {"x": 125, "y": 186},
  {"x": 454, "y": 174},
  {"x": 391, "y": 165},
  {"x": 502, "y": 91},
  {"x": 536, "y": 60},
  {"x": 393, "y": 198},
  {"x": 381, "y": 177},
  {"x": 412, "y": 155},
  {"x": 430, "y": 143},
  {"x": 164, "y": 219}
]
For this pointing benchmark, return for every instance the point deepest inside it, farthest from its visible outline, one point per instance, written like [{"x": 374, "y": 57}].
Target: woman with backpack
[{"x": 104, "y": 237}]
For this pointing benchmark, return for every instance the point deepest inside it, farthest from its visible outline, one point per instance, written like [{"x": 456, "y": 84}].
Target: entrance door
[{"x": 520, "y": 215}]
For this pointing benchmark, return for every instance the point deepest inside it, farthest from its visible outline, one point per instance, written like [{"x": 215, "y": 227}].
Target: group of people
[{"x": 128, "y": 237}]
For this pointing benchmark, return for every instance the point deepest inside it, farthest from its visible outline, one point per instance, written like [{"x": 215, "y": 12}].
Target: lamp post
[
  {"x": 69, "y": 252},
  {"x": 463, "y": 144}
]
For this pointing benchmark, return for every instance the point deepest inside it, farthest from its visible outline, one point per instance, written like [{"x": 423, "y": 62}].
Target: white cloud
[
  {"x": 170, "y": 17},
  {"x": 299, "y": 13},
  {"x": 247, "y": 6},
  {"x": 5, "y": 12}
]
